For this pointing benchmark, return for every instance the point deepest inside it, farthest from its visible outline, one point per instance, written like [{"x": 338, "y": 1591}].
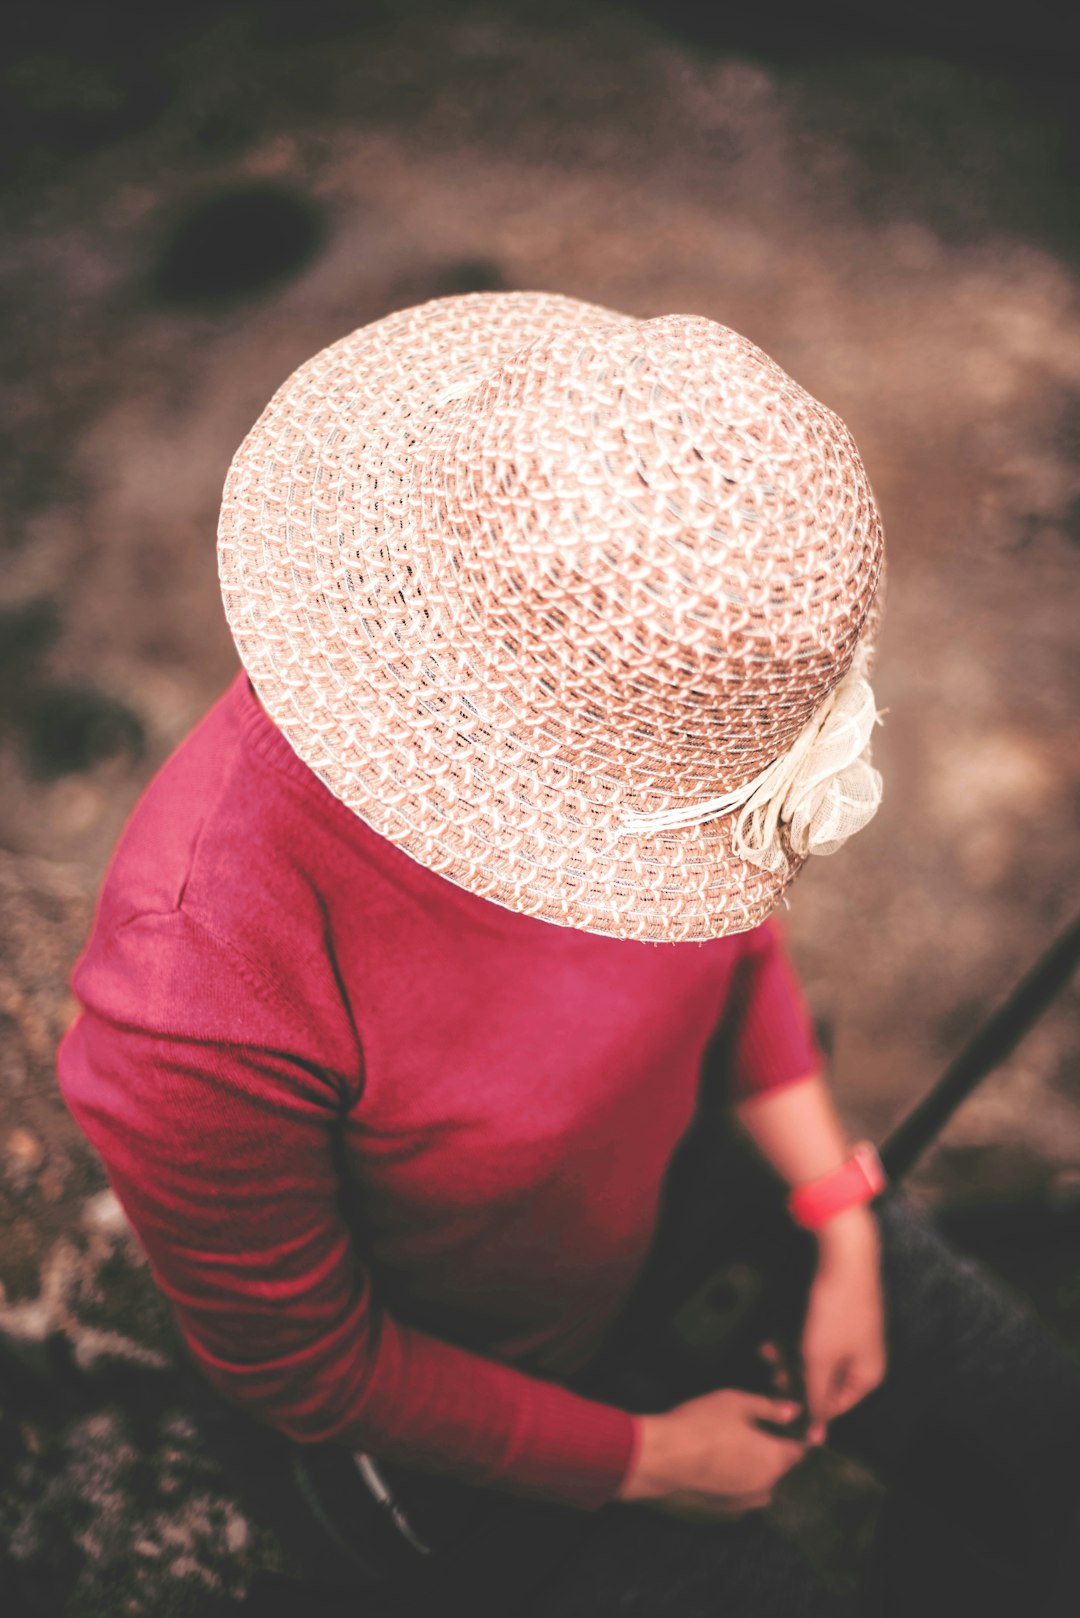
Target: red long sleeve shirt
[{"x": 394, "y": 1152}]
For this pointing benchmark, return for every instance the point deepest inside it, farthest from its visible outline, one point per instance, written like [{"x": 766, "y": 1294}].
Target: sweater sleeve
[
  {"x": 219, "y": 1142},
  {"x": 770, "y": 1031}
]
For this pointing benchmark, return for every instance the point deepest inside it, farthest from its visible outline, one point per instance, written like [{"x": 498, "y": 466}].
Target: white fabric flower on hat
[{"x": 823, "y": 789}]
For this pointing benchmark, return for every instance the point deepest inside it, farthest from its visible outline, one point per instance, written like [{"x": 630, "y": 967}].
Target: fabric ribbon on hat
[{"x": 823, "y": 789}]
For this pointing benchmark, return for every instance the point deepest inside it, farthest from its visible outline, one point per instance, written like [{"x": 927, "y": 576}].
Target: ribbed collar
[{"x": 264, "y": 738}]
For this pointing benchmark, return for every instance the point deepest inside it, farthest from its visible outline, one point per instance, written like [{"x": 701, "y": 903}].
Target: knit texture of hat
[{"x": 575, "y": 608}]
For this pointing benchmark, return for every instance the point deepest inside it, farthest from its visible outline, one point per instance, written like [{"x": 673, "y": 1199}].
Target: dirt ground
[{"x": 193, "y": 212}]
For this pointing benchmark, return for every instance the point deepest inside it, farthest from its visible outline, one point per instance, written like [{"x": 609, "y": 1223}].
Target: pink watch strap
[{"x": 854, "y": 1182}]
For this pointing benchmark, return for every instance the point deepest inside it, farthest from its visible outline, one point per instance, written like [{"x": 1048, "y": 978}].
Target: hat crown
[
  {"x": 533, "y": 586},
  {"x": 648, "y": 528}
]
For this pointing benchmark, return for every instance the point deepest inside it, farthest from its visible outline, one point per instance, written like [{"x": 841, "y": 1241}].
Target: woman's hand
[
  {"x": 843, "y": 1336},
  {"x": 797, "y": 1130},
  {"x": 709, "y": 1459}
]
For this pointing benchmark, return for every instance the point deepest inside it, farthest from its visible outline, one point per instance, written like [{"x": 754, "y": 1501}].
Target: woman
[{"x": 399, "y": 989}]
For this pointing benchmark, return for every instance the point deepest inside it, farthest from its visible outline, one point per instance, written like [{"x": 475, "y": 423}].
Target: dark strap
[{"x": 990, "y": 1045}]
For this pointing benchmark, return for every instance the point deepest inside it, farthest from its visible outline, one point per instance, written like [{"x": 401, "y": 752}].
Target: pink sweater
[{"x": 394, "y": 1152}]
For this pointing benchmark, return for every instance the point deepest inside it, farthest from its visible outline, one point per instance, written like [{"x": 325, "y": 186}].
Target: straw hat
[{"x": 575, "y": 608}]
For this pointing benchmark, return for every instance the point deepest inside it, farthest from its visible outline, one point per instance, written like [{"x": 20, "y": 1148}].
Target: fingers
[
  {"x": 766, "y": 1407},
  {"x": 785, "y": 1452},
  {"x": 781, "y": 1376},
  {"x": 815, "y": 1433}
]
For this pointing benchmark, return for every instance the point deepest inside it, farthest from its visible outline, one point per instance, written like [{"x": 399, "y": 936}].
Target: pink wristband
[{"x": 856, "y": 1181}]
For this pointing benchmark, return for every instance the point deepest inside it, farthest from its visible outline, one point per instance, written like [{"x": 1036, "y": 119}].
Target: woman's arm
[
  {"x": 218, "y": 1131},
  {"x": 796, "y": 1128},
  {"x": 220, "y": 1153}
]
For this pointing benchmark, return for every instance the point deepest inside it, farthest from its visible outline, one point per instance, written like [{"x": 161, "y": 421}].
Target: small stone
[
  {"x": 103, "y": 1213},
  {"x": 236, "y": 1531},
  {"x": 25, "y": 1149},
  {"x": 51, "y": 1184}
]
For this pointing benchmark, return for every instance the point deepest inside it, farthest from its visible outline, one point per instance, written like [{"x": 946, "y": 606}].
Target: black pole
[{"x": 993, "y": 1042}]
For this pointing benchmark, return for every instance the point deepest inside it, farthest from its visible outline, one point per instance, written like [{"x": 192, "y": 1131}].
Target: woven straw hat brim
[{"x": 334, "y": 590}]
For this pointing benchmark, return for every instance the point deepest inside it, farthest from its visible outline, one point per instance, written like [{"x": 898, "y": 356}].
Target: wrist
[
  {"x": 852, "y": 1228},
  {"x": 849, "y": 1224},
  {"x": 644, "y": 1475},
  {"x": 637, "y": 1425}
]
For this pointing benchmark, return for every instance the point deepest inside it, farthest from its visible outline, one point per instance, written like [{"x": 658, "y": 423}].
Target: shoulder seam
[{"x": 253, "y": 974}]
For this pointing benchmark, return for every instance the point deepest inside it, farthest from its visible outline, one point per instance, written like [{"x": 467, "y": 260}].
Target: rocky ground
[{"x": 195, "y": 207}]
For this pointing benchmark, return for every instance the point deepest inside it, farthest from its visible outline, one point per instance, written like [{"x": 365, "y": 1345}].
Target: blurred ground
[{"x": 194, "y": 206}]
